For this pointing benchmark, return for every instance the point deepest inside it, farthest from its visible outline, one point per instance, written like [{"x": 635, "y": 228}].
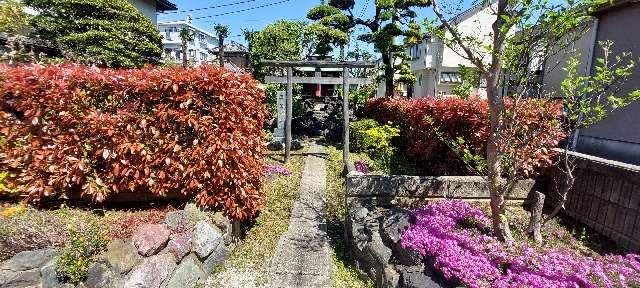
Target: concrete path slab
[{"x": 302, "y": 256}]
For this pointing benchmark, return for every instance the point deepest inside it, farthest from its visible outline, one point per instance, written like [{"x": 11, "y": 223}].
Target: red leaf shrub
[
  {"x": 100, "y": 132},
  {"x": 537, "y": 130}
]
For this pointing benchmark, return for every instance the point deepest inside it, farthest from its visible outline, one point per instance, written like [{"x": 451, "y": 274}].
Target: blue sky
[{"x": 255, "y": 18}]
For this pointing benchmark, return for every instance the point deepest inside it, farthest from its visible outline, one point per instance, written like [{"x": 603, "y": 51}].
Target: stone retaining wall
[
  {"x": 376, "y": 217},
  {"x": 181, "y": 252},
  {"x": 605, "y": 197},
  {"x": 407, "y": 191}
]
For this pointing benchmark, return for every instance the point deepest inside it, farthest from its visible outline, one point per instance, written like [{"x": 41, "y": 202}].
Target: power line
[
  {"x": 242, "y": 10},
  {"x": 366, "y": 3},
  {"x": 207, "y": 8},
  {"x": 364, "y": 8}
]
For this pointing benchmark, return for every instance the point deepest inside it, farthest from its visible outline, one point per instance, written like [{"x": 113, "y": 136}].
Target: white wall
[
  {"x": 147, "y": 8},
  {"x": 170, "y": 32},
  {"x": 424, "y": 86},
  {"x": 477, "y": 26},
  {"x": 430, "y": 58}
]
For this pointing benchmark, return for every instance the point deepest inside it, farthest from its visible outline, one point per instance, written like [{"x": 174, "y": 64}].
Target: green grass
[
  {"x": 344, "y": 274},
  {"x": 254, "y": 252}
]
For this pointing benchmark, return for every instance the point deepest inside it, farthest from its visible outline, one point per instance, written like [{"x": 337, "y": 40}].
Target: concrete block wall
[
  {"x": 605, "y": 197},
  {"x": 409, "y": 191}
]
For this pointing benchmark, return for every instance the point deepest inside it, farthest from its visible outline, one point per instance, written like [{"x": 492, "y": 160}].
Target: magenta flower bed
[{"x": 457, "y": 236}]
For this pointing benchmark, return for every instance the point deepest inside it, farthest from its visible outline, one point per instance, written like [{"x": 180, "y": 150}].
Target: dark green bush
[{"x": 111, "y": 33}]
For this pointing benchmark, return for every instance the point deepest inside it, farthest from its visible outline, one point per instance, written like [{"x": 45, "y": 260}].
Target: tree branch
[{"x": 458, "y": 39}]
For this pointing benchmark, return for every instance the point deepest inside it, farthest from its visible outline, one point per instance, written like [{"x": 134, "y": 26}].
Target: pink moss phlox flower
[
  {"x": 362, "y": 167},
  {"x": 457, "y": 236},
  {"x": 271, "y": 169}
]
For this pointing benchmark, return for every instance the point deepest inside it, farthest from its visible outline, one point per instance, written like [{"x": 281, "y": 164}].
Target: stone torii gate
[{"x": 345, "y": 80}]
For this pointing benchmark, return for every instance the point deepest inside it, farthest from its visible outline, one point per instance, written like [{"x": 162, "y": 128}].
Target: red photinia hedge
[
  {"x": 100, "y": 132},
  {"x": 537, "y": 131}
]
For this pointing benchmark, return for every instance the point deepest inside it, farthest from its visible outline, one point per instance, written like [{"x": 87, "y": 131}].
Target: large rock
[
  {"x": 419, "y": 277},
  {"x": 21, "y": 279},
  {"x": 179, "y": 245},
  {"x": 206, "y": 238},
  {"x": 376, "y": 253},
  {"x": 390, "y": 278},
  {"x": 188, "y": 273},
  {"x": 49, "y": 276},
  {"x": 28, "y": 260},
  {"x": 394, "y": 222},
  {"x": 358, "y": 227},
  {"x": 176, "y": 219},
  {"x": 153, "y": 272},
  {"x": 100, "y": 276},
  {"x": 151, "y": 238},
  {"x": 23, "y": 269},
  {"x": 216, "y": 258},
  {"x": 121, "y": 256}
]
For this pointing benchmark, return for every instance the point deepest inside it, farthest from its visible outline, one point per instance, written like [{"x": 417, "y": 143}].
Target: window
[
  {"x": 414, "y": 52},
  {"x": 441, "y": 93},
  {"x": 192, "y": 53},
  {"x": 449, "y": 77},
  {"x": 420, "y": 80},
  {"x": 203, "y": 56},
  {"x": 178, "y": 54},
  {"x": 202, "y": 37}
]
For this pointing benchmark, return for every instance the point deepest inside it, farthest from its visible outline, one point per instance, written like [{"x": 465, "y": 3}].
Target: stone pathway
[{"x": 302, "y": 256}]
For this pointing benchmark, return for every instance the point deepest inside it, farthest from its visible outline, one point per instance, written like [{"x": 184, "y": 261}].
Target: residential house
[
  {"x": 200, "y": 50},
  {"x": 236, "y": 56},
  {"x": 436, "y": 66},
  {"x": 618, "y": 136},
  {"x": 400, "y": 89},
  {"x": 150, "y": 7}
]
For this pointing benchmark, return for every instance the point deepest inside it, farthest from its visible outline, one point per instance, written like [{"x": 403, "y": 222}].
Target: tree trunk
[
  {"x": 494, "y": 160},
  {"x": 535, "y": 222},
  {"x": 185, "y": 62},
  {"x": 388, "y": 74},
  {"x": 497, "y": 185},
  {"x": 221, "y": 51}
]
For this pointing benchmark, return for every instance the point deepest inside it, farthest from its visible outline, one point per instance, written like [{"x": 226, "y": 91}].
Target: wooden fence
[{"x": 605, "y": 197}]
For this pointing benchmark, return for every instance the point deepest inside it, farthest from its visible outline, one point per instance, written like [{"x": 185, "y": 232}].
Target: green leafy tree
[
  {"x": 282, "y": 40},
  {"x": 222, "y": 31},
  {"x": 186, "y": 36},
  {"x": 110, "y": 33},
  {"x": 392, "y": 19},
  {"x": 12, "y": 17},
  {"x": 541, "y": 25}
]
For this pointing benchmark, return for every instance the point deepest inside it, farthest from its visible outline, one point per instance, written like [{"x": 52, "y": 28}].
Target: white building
[
  {"x": 199, "y": 50},
  {"x": 436, "y": 66},
  {"x": 149, "y": 8}
]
